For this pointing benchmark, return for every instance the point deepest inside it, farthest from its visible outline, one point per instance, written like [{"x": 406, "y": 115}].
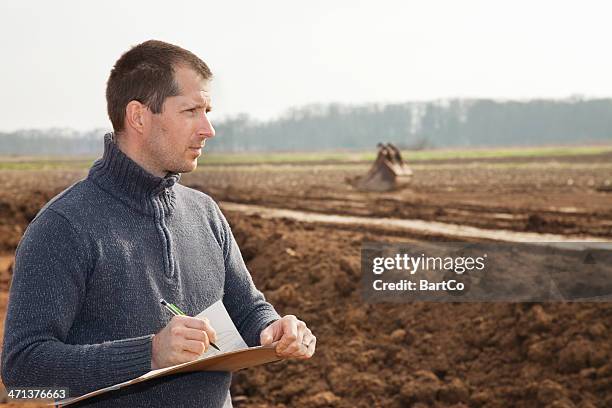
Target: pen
[{"x": 178, "y": 312}]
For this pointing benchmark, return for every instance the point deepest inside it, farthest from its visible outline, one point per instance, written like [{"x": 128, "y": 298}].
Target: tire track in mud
[{"x": 417, "y": 227}]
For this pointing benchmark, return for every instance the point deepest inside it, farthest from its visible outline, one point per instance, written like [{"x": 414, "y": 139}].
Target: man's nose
[{"x": 206, "y": 129}]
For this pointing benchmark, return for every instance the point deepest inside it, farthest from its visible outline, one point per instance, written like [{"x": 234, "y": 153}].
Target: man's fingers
[
  {"x": 308, "y": 338},
  {"x": 194, "y": 334},
  {"x": 290, "y": 332},
  {"x": 212, "y": 333},
  {"x": 301, "y": 326},
  {"x": 197, "y": 347},
  {"x": 311, "y": 348},
  {"x": 192, "y": 322},
  {"x": 198, "y": 336},
  {"x": 296, "y": 346},
  {"x": 306, "y": 348},
  {"x": 201, "y": 325},
  {"x": 183, "y": 339},
  {"x": 186, "y": 356}
]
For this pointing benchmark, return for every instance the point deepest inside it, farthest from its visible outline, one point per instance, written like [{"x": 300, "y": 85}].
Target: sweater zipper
[{"x": 164, "y": 234}]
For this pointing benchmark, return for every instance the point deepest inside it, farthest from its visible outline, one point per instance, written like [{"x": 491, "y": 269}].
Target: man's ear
[{"x": 135, "y": 116}]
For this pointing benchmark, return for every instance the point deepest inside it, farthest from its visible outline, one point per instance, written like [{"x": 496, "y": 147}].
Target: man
[{"x": 84, "y": 308}]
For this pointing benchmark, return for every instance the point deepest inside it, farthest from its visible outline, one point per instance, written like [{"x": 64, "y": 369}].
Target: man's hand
[
  {"x": 183, "y": 339},
  {"x": 295, "y": 340}
]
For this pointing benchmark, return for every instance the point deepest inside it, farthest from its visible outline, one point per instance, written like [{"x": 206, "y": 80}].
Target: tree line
[{"x": 318, "y": 127}]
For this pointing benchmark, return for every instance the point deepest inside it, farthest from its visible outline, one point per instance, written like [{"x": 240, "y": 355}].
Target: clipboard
[
  {"x": 230, "y": 361},
  {"x": 238, "y": 356}
]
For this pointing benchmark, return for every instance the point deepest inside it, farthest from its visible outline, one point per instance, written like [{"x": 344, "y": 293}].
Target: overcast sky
[{"x": 268, "y": 56}]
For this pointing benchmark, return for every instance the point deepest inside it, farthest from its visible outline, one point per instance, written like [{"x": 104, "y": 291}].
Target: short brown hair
[{"x": 145, "y": 73}]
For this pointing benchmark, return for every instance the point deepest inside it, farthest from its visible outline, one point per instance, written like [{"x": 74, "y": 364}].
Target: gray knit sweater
[{"x": 88, "y": 276}]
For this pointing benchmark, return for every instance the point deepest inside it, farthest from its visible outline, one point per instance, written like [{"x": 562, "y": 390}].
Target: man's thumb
[{"x": 266, "y": 336}]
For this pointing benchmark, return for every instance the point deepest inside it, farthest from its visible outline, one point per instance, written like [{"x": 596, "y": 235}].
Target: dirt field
[
  {"x": 399, "y": 355},
  {"x": 554, "y": 195}
]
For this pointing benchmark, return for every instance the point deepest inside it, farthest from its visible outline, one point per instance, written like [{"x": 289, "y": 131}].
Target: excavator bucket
[{"x": 389, "y": 172}]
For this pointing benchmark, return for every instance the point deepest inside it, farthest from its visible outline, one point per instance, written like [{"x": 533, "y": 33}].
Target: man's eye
[{"x": 192, "y": 110}]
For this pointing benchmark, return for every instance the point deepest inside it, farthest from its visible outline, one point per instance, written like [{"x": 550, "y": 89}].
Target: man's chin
[{"x": 186, "y": 168}]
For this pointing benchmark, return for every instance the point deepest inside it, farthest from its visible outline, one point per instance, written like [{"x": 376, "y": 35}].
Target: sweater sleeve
[
  {"x": 48, "y": 289},
  {"x": 245, "y": 304}
]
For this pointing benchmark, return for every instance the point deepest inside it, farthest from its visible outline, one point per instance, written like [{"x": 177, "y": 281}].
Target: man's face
[{"x": 175, "y": 138}]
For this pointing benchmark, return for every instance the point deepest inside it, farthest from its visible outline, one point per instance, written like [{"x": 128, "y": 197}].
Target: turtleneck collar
[{"x": 121, "y": 176}]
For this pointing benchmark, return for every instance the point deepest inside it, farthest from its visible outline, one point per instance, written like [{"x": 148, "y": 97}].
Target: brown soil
[
  {"x": 397, "y": 355},
  {"x": 572, "y": 196},
  {"x": 523, "y": 355}
]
